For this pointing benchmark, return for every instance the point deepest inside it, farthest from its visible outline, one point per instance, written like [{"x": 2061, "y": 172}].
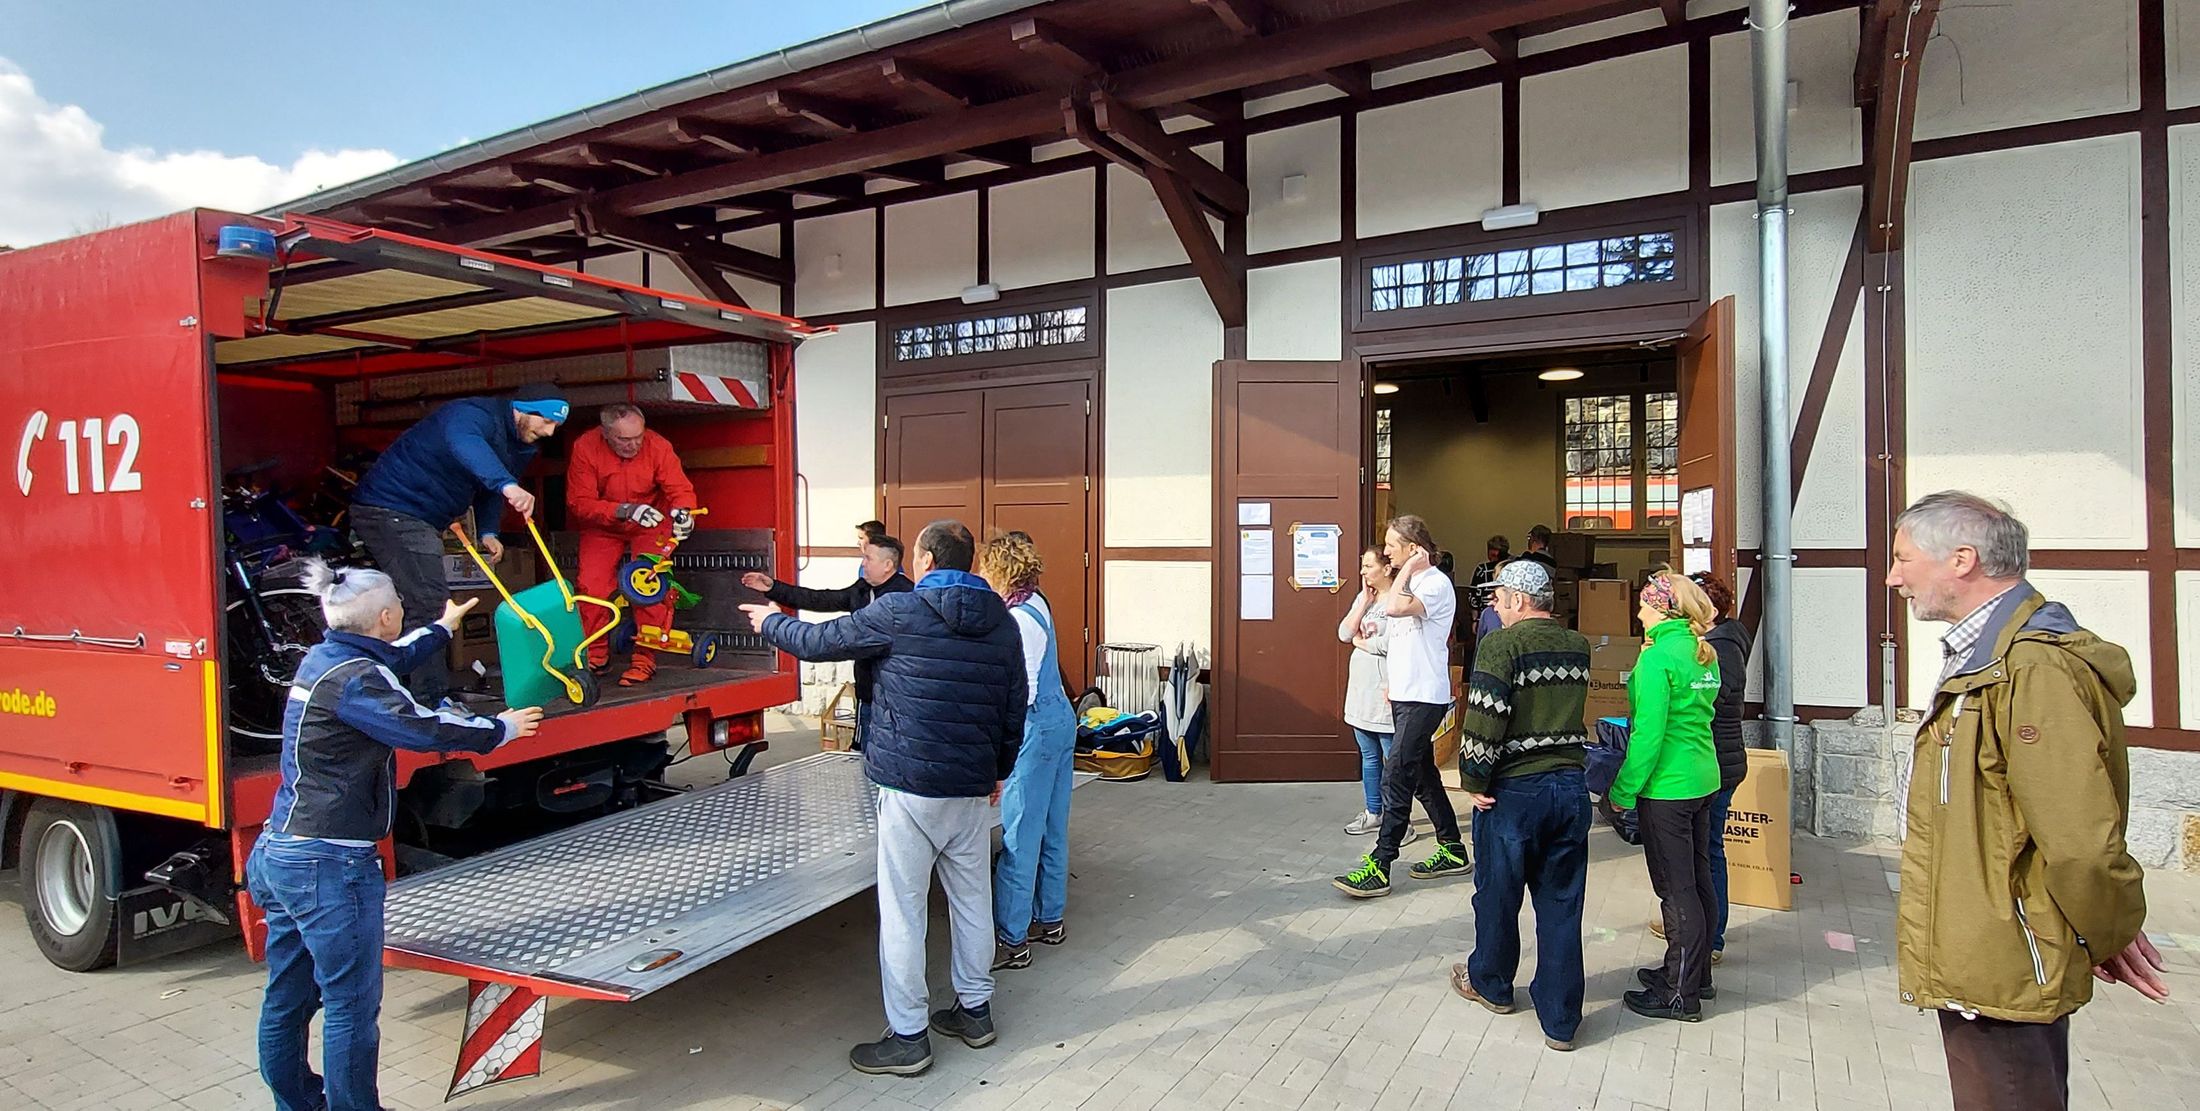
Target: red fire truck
[{"x": 165, "y": 384}]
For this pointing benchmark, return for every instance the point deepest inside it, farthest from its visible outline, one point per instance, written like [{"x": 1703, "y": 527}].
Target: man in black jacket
[
  {"x": 941, "y": 734},
  {"x": 880, "y": 575}
]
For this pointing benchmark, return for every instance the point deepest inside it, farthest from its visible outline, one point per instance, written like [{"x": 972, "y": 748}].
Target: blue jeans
[
  {"x": 324, "y": 952},
  {"x": 1534, "y": 840},
  {"x": 1374, "y": 749},
  {"x": 1719, "y": 805},
  {"x": 1032, "y": 878}
]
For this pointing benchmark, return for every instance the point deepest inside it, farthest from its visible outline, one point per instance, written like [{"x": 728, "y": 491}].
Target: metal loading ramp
[{"x": 625, "y": 905}]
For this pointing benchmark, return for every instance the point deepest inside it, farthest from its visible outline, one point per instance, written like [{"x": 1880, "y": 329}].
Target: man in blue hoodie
[
  {"x": 467, "y": 454},
  {"x": 315, "y": 870},
  {"x": 941, "y": 734}
]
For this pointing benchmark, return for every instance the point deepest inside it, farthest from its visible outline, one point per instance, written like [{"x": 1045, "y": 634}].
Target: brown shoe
[
  {"x": 1657, "y": 928},
  {"x": 1562, "y": 1047},
  {"x": 1461, "y": 984}
]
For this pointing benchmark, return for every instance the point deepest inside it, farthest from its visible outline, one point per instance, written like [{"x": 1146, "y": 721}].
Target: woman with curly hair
[{"x": 1031, "y": 882}]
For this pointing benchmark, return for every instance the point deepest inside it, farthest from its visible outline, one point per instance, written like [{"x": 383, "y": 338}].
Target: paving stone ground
[{"x": 1210, "y": 965}]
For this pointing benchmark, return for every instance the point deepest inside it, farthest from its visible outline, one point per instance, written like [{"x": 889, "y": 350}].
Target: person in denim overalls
[{"x": 1035, "y": 804}]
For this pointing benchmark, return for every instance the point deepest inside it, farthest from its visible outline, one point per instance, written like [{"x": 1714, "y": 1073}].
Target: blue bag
[{"x": 1606, "y": 752}]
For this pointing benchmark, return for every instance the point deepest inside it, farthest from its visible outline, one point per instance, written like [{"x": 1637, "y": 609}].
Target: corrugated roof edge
[{"x": 888, "y": 32}]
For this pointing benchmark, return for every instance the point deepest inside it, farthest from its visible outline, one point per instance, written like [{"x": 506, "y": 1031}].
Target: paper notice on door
[
  {"x": 1256, "y": 597},
  {"x": 1256, "y": 551},
  {"x": 1695, "y": 560},
  {"x": 1696, "y": 521},
  {"x": 1253, "y": 513},
  {"x": 1314, "y": 556}
]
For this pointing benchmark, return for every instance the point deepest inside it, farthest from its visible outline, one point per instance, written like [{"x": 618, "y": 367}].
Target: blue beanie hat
[{"x": 547, "y": 402}]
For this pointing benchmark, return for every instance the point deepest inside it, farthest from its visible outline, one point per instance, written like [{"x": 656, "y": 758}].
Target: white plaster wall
[
  {"x": 834, "y": 261},
  {"x": 1042, "y": 230},
  {"x": 2026, "y": 61},
  {"x": 1824, "y": 126},
  {"x": 1591, "y": 32},
  {"x": 626, "y": 266},
  {"x": 2184, "y": 285},
  {"x": 1162, "y": 342},
  {"x": 1430, "y": 163},
  {"x": 2110, "y": 603},
  {"x": 1432, "y": 67},
  {"x": 1163, "y": 603},
  {"x": 828, "y": 573},
  {"x": 2183, "y": 32},
  {"x": 931, "y": 248},
  {"x": 1830, "y": 511},
  {"x": 759, "y": 294},
  {"x": 836, "y": 422},
  {"x": 1275, "y": 222},
  {"x": 1139, "y": 235},
  {"x": 1605, "y": 132},
  {"x": 1293, "y": 312},
  {"x": 1833, "y": 648},
  {"x": 2188, "y": 649},
  {"x": 2023, "y": 325}
]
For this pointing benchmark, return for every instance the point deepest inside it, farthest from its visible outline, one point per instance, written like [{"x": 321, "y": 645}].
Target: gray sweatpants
[{"x": 915, "y": 836}]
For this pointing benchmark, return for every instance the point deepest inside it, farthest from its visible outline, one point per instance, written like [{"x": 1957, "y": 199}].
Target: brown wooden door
[
  {"x": 1287, "y": 434},
  {"x": 1706, "y": 372},
  {"x": 1037, "y": 478},
  {"x": 1005, "y": 457},
  {"x": 935, "y": 447}
]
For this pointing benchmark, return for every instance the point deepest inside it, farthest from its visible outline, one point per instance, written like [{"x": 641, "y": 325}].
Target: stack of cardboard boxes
[
  {"x": 1592, "y": 598},
  {"x": 474, "y": 647}
]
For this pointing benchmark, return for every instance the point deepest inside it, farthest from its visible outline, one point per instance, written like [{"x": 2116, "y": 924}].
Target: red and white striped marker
[
  {"x": 502, "y": 1039},
  {"x": 710, "y": 389}
]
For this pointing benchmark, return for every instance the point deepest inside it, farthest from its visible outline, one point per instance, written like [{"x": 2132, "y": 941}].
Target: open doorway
[{"x": 1583, "y": 442}]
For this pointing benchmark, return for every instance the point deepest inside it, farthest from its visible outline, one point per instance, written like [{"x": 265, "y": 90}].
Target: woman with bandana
[{"x": 1671, "y": 775}]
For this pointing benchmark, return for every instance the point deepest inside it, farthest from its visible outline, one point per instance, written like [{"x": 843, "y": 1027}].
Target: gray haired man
[{"x": 2017, "y": 891}]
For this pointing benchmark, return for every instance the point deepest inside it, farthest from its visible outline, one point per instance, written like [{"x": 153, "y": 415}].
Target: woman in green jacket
[{"x": 1672, "y": 776}]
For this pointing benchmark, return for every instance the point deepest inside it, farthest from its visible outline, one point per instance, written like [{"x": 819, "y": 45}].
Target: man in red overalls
[{"x": 624, "y": 491}]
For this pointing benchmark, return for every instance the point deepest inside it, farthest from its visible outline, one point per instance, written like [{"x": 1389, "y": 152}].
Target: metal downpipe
[{"x": 1768, "y": 25}]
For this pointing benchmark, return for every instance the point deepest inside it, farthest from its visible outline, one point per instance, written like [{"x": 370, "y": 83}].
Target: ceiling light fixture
[
  {"x": 1386, "y": 387},
  {"x": 1560, "y": 374}
]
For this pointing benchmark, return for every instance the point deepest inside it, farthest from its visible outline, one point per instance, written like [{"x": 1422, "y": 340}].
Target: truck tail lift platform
[{"x": 628, "y": 904}]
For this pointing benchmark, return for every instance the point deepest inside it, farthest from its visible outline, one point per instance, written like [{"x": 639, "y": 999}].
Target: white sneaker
[{"x": 1365, "y": 824}]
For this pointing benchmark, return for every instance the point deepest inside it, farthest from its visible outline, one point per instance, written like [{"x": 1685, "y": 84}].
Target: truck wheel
[{"x": 70, "y": 866}]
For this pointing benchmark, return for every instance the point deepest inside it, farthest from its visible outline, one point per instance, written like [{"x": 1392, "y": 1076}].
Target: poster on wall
[
  {"x": 1256, "y": 597},
  {"x": 1256, "y": 551},
  {"x": 1314, "y": 556}
]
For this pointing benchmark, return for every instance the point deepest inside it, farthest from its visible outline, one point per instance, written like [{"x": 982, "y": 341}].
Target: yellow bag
[{"x": 1119, "y": 766}]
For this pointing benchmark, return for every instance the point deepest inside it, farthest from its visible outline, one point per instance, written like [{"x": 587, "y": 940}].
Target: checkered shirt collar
[{"x": 1961, "y": 638}]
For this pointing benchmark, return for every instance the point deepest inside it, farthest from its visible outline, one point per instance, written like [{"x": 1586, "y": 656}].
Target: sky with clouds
[{"x": 120, "y": 110}]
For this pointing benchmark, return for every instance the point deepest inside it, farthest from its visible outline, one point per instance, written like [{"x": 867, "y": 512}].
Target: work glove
[
  {"x": 644, "y": 515},
  {"x": 683, "y": 524}
]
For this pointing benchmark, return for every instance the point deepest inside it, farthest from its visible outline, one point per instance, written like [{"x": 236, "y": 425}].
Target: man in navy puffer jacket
[{"x": 941, "y": 733}]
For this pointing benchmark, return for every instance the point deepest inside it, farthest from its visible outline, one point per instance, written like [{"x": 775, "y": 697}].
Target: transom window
[
  {"x": 1622, "y": 461},
  {"x": 1574, "y": 267},
  {"x": 1014, "y": 331}
]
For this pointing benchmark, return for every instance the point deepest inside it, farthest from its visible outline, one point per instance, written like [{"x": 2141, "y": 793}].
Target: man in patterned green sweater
[{"x": 1520, "y": 761}]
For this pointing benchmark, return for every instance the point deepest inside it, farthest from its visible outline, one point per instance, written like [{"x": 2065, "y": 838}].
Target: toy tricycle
[{"x": 646, "y": 580}]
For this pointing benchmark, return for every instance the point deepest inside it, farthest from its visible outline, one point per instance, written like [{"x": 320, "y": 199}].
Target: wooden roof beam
[
  {"x": 404, "y": 216},
  {"x": 1224, "y": 285},
  {"x": 1893, "y": 124},
  {"x": 643, "y": 162},
  {"x": 924, "y": 171},
  {"x": 1143, "y": 136},
  {"x": 1676, "y": 11},
  {"x": 941, "y": 89},
  {"x": 1246, "y": 19},
  {"x": 1356, "y": 81},
  {"x": 1397, "y": 29},
  {"x": 1070, "y": 53},
  {"x": 561, "y": 179},
  {"x": 1501, "y": 44},
  {"x": 1008, "y": 155},
  {"x": 1223, "y": 109},
  {"x": 844, "y": 187},
  {"x": 829, "y": 114},
  {"x": 741, "y": 141},
  {"x": 491, "y": 201},
  {"x": 648, "y": 235}
]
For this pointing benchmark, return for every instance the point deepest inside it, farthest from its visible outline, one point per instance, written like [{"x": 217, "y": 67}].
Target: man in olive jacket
[{"x": 2017, "y": 890}]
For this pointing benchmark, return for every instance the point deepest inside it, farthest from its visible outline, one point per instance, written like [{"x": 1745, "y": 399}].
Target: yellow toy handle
[
  {"x": 544, "y": 546},
  {"x": 573, "y": 690}
]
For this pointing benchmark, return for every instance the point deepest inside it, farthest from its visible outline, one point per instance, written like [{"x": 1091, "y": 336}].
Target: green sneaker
[
  {"x": 1447, "y": 860},
  {"x": 1368, "y": 881}
]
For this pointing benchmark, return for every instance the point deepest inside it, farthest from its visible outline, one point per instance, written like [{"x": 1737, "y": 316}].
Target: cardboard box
[
  {"x": 1611, "y": 659},
  {"x": 1757, "y": 831},
  {"x": 476, "y": 639},
  {"x": 1605, "y": 608},
  {"x": 1447, "y": 732},
  {"x": 1576, "y": 550}
]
